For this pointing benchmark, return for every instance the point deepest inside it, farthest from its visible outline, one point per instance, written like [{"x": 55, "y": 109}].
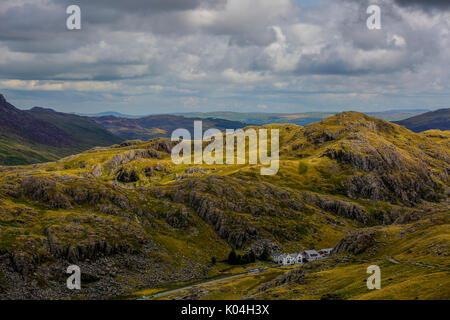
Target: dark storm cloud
[
  {"x": 147, "y": 6},
  {"x": 115, "y": 12},
  {"x": 425, "y": 4}
]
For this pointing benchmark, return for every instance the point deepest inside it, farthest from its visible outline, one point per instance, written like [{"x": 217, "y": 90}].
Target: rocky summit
[{"x": 132, "y": 219}]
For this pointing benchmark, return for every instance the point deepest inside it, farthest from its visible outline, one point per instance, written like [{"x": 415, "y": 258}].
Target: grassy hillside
[
  {"x": 41, "y": 135},
  {"x": 132, "y": 219},
  {"x": 84, "y": 131},
  {"x": 439, "y": 119},
  {"x": 159, "y": 126}
]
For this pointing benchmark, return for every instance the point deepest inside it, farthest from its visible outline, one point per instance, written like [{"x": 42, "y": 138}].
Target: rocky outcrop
[
  {"x": 405, "y": 187},
  {"x": 339, "y": 207},
  {"x": 196, "y": 170},
  {"x": 387, "y": 172},
  {"x": 355, "y": 243},
  {"x": 127, "y": 176},
  {"x": 150, "y": 171},
  {"x": 68, "y": 192},
  {"x": 259, "y": 246},
  {"x": 234, "y": 211},
  {"x": 296, "y": 276},
  {"x": 179, "y": 218},
  {"x": 235, "y": 230},
  {"x": 43, "y": 189},
  {"x": 359, "y": 152},
  {"x": 97, "y": 171},
  {"x": 121, "y": 159}
]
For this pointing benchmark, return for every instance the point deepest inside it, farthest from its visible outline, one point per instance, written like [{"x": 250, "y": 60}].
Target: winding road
[{"x": 163, "y": 293}]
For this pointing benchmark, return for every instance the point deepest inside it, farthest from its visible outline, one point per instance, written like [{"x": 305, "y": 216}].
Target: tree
[
  {"x": 252, "y": 256},
  {"x": 232, "y": 257},
  {"x": 265, "y": 255}
]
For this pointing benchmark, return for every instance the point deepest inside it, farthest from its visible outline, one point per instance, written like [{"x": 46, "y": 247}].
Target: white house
[
  {"x": 288, "y": 259},
  {"x": 311, "y": 255}
]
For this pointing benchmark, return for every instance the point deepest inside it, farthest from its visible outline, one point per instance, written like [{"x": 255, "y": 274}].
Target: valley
[{"x": 132, "y": 220}]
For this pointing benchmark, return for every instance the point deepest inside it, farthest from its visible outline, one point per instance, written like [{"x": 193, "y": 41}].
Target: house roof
[
  {"x": 310, "y": 252},
  {"x": 290, "y": 255}
]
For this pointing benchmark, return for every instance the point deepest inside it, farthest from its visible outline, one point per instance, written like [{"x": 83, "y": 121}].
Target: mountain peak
[
  {"x": 2, "y": 99},
  {"x": 42, "y": 109},
  {"x": 350, "y": 120}
]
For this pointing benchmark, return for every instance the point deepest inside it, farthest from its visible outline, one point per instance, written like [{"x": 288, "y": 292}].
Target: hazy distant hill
[
  {"x": 159, "y": 125},
  {"x": 301, "y": 119},
  {"x": 439, "y": 119},
  {"x": 38, "y": 135},
  {"x": 108, "y": 113},
  {"x": 42, "y": 134},
  {"x": 85, "y": 132}
]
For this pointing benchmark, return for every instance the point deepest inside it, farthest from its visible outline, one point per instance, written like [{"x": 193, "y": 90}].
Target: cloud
[
  {"x": 234, "y": 54},
  {"x": 242, "y": 77},
  {"x": 425, "y": 4},
  {"x": 36, "y": 85}
]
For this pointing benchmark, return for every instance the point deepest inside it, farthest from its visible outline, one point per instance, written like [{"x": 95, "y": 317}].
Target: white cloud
[
  {"x": 36, "y": 85},
  {"x": 242, "y": 77}
]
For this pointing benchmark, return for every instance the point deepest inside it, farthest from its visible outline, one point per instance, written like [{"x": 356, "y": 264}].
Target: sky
[{"x": 165, "y": 56}]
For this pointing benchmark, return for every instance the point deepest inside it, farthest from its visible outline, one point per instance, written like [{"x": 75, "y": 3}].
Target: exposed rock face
[
  {"x": 404, "y": 187},
  {"x": 97, "y": 171},
  {"x": 259, "y": 246},
  {"x": 236, "y": 232},
  {"x": 60, "y": 193},
  {"x": 355, "y": 243},
  {"x": 388, "y": 173},
  {"x": 44, "y": 189},
  {"x": 179, "y": 218},
  {"x": 296, "y": 276},
  {"x": 359, "y": 152},
  {"x": 121, "y": 159},
  {"x": 220, "y": 201},
  {"x": 196, "y": 170},
  {"x": 341, "y": 208},
  {"x": 127, "y": 176},
  {"x": 379, "y": 161},
  {"x": 150, "y": 171},
  {"x": 165, "y": 145},
  {"x": 82, "y": 250},
  {"x": 130, "y": 143}
]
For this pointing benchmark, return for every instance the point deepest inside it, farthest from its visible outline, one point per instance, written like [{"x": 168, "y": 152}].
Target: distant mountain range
[
  {"x": 159, "y": 125},
  {"x": 42, "y": 134},
  {"x": 108, "y": 113},
  {"x": 302, "y": 119},
  {"x": 260, "y": 118},
  {"x": 439, "y": 119}
]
